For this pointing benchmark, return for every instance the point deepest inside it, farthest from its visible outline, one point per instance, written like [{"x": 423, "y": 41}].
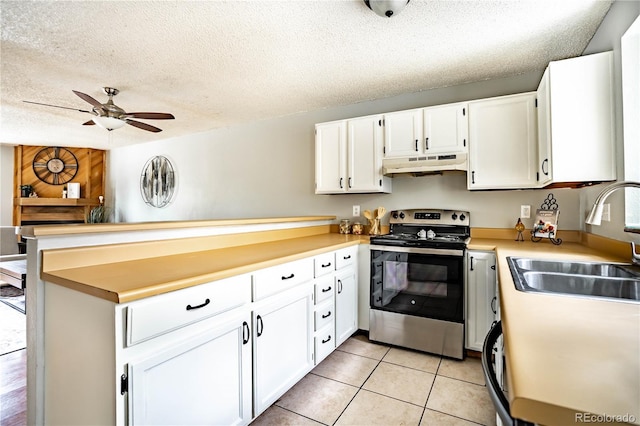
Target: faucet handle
[{"x": 635, "y": 257}]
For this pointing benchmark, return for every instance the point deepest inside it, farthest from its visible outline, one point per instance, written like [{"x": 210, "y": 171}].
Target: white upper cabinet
[
  {"x": 424, "y": 131},
  {"x": 503, "y": 142},
  {"x": 349, "y": 156},
  {"x": 446, "y": 129},
  {"x": 403, "y": 133},
  {"x": 576, "y": 121}
]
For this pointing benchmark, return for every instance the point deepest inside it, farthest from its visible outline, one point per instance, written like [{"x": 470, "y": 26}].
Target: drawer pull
[
  {"x": 289, "y": 277},
  {"x": 327, "y": 265},
  {"x": 327, "y": 315},
  {"x": 328, "y": 339},
  {"x": 206, "y": 302},
  {"x": 347, "y": 257},
  {"x": 324, "y": 290},
  {"x": 339, "y": 286}
]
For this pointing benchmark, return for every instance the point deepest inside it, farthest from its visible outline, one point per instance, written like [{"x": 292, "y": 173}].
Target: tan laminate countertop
[
  {"x": 567, "y": 356},
  {"x": 126, "y": 281}
]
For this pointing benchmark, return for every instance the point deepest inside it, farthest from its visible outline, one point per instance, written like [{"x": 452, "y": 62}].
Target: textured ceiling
[{"x": 220, "y": 63}]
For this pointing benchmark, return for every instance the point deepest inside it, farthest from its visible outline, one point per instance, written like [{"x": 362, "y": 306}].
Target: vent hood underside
[{"x": 425, "y": 164}]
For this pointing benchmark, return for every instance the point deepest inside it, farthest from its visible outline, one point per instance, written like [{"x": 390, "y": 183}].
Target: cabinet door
[
  {"x": 282, "y": 344},
  {"x": 205, "y": 379},
  {"x": 403, "y": 134},
  {"x": 503, "y": 142},
  {"x": 331, "y": 157},
  {"x": 481, "y": 297},
  {"x": 346, "y": 304},
  {"x": 445, "y": 129},
  {"x": 365, "y": 154},
  {"x": 544, "y": 171}
]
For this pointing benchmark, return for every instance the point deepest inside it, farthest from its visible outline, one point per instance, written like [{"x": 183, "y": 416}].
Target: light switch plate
[
  {"x": 356, "y": 211},
  {"x": 525, "y": 212}
]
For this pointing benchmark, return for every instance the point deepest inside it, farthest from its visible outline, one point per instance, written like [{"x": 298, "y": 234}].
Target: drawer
[
  {"x": 166, "y": 312},
  {"x": 278, "y": 278},
  {"x": 324, "y": 315},
  {"x": 346, "y": 257},
  {"x": 325, "y": 343},
  {"x": 324, "y": 289},
  {"x": 324, "y": 264}
]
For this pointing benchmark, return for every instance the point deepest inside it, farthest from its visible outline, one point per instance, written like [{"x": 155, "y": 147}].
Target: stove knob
[
  {"x": 462, "y": 216},
  {"x": 401, "y": 215},
  {"x": 395, "y": 215},
  {"x": 454, "y": 216}
]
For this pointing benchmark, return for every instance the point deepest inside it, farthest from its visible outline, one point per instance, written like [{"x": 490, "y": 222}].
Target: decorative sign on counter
[{"x": 546, "y": 222}]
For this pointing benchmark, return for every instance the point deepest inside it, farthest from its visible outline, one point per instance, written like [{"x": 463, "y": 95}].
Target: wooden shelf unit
[{"x": 54, "y": 210}]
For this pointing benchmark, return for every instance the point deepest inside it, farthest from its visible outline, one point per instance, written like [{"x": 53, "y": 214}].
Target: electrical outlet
[
  {"x": 525, "y": 212},
  {"x": 606, "y": 212},
  {"x": 356, "y": 211}
]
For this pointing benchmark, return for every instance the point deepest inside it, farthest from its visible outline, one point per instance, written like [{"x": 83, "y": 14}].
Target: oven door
[{"x": 418, "y": 281}]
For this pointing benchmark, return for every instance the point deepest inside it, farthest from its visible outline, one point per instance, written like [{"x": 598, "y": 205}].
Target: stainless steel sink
[{"x": 591, "y": 279}]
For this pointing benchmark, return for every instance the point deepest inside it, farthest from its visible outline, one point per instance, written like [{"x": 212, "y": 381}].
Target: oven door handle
[{"x": 419, "y": 250}]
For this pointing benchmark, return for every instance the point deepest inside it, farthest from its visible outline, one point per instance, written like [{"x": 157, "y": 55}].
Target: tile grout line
[{"x": 424, "y": 409}]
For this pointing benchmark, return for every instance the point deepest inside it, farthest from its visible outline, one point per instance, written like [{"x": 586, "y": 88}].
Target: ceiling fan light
[
  {"x": 386, "y": 8},
  {"x": 109, "y": 123}
]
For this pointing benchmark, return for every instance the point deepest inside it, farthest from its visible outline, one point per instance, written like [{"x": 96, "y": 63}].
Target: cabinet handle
[
  {"x": 327, "y": 315},
  {"x": 426, "y": 143},
  {"x": 326, "y": 265},
  {"x": 546, "y": 173},
  {"x": 493, "y": 304},
  {"x": 341, "y": 187},
  {"x": 324, "y": 290},
  {"x": 328, "y": 339},
  {"x": 493, "y": 267},
  {"x": 339, "y": 286},
  {"x": 416, "y": 145},
  {"x": 349, "y": 181},
  {"x": 288, "y": 277},
  {"x": 259, "y": 326},
  {"x": 471, "y": 261},
  {"x": 245, "y": 328},
  {"x": 347, "y": 257},
  {"x": 473, "y": 177},
  {"x": 206, "y": 302}
]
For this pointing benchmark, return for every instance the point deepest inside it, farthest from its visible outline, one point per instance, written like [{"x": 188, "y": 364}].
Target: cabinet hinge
[{"x": 124, "y": 384}]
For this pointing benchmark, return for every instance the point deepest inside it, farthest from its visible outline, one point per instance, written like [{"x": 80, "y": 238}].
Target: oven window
[{"x": 418, "y": 284}]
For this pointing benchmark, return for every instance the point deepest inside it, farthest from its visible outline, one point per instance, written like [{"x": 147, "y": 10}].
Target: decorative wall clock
[
  {"x": 55, "y": 165},
  {"x": 157, "y": 182}
]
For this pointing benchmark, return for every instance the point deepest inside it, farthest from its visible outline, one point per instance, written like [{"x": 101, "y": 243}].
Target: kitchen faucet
[{"x": 595, "y": 216}]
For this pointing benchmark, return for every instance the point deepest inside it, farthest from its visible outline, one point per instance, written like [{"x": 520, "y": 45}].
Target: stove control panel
[{"x": 429, "y": 217}]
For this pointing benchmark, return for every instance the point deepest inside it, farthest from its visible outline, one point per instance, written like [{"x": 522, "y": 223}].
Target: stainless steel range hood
[{"x": 425, "y": 164}]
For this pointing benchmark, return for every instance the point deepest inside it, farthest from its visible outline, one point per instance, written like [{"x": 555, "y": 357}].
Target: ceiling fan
[{"x": 110, "y": 116}]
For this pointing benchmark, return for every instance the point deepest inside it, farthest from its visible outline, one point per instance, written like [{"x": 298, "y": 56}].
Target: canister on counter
[
  {"x": 357, "y": 228},
  {"x": 345, "y": 226}
]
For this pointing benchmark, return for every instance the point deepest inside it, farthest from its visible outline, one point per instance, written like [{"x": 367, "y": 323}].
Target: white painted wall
[
  {"x": 8, "y": 242},
  {"x": 266, "y": 168}
]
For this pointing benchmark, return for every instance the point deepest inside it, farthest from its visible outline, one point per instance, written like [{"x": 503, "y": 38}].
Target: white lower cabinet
[
  {"x": 346, "y": 300},
  {"x": 482, "y": 303},
  {"x": 204, "y": 379},
  {"x": 282, "y": 343}
]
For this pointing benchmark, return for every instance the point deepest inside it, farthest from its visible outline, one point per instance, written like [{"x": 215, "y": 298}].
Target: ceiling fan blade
[
  {"x": 143, "y": 126},
  {"x": 150, "y": 115},
  {"x": 89, "y": 99},
  {"x": 58, "y": 106},
  {"x": 89, "y": 123}
]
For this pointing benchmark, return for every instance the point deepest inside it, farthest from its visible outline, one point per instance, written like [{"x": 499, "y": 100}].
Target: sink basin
[
  {"x": 579, "y": 268},
  {"x": 585, "y": 279}
]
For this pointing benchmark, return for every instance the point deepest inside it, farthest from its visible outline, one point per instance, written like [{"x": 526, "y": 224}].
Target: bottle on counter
[{"x": 345, "y": 226}]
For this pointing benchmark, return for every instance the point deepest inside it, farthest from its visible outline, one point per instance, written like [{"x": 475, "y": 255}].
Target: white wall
[
  {"x": 8, "y": 244},
  {"x": 267, "y": 168},
  {"x": 616, "y": 22}
]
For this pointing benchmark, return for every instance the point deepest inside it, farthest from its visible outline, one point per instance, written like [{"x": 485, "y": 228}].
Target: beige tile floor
[{"x": 365, "y": 383}]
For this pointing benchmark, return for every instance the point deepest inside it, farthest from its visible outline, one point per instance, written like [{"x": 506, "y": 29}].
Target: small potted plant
[{"x": 25, "y": 190}]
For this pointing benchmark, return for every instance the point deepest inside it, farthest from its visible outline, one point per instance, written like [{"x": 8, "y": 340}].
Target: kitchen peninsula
[{"x": 106, "y": 293}]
